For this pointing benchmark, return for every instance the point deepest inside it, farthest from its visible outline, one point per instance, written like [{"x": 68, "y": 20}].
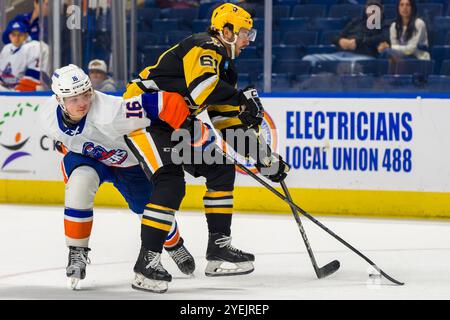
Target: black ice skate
[
  {"x": 150, "y": 274},
  {"x": 220, "y": 251},
  {"x": 76, "y": 267},
  {"x": 182, "y": 257}
]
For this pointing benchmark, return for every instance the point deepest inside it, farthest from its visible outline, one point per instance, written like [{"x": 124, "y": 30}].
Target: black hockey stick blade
[
  {"x": 384, "y": 274},
  {"x": 328, "y": 269}
]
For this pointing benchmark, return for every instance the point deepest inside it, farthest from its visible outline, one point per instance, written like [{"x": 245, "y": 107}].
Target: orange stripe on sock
[
  {"x": 173, "y": 241},
  {"x": 77, "y": 230}
]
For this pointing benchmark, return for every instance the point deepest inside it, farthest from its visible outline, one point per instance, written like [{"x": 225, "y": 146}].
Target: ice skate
[
  {"x": 150, "y": 275},
  {"x": 220, "y": 253},
  {"x": 182, "y": 257},
  {"x": 76, "y": 267}
]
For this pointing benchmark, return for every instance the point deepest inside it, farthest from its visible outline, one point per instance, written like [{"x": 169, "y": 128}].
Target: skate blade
[
  {"x": 216, "y": 269},
  {"x": 141, "y": 283},
  {"x": 74, "y": 284},
  {"x": 187, "y": 273}
]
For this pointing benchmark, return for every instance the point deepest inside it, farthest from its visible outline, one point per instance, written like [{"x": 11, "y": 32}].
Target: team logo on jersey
[
  {"x": 7, "y": 76},
  {"x": 17, "y": 154},
  {"x": 112, "y": 157},
  {"x": 269, "y": 132},
  {"x": 214, "y": 42}
]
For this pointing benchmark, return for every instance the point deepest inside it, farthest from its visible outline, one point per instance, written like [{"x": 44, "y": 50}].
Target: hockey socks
[
  {"x": 78, "y": 226},
  {"x": 219, "y": 211},
  {"x": 156, "y": 223}
]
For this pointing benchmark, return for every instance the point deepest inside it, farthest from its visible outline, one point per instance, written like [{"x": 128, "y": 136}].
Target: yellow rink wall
[
  {"x": 414, "y": 127},
  {"x": 255, "y": 199}
]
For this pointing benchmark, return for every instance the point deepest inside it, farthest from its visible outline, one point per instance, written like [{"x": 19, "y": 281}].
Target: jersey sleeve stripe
[
  {"x": 150, "y": 105},
  {"x": 226, "y": 123},
  {"x": 204, "y": 89},
  {"x": 145, "y": 146},
  {"x": 146, "y": 72},
  {"x": 224, "y": 108},
  {"x": 133, "y": 90},
  {"x": 33, "y": 74}
]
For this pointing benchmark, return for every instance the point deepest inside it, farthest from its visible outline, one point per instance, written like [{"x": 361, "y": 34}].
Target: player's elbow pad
[{"x": 174, "y": 109}]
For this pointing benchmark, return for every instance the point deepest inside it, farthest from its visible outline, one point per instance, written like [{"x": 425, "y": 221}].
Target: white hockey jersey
[
  {"x": 100, "y": 134},
  {"x": 25, "y": 61}
]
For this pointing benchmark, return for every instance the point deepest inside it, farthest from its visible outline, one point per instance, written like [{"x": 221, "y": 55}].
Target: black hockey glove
[
  {"x": 273, "y": 168},
  {"x": 252, "y": 109}
]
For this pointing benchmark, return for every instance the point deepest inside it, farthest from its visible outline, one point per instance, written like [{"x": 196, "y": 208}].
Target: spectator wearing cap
[
  {"x": 98, "y": 73},
  {"x": 20, "y": 60},
  {"x": 357, "y": 41},
  {"x": 31, "y": 20}
]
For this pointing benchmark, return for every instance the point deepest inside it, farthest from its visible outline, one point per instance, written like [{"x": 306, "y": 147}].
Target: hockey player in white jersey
[
  {"x": 91, "y": 125},
  {"x": 22, "y": 60}
]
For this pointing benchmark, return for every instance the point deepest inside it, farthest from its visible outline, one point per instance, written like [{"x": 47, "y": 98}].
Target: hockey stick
[
  {"x": 332, "y": 265},
  {"x": 307, "y": 215},
  {"x": 326, "y": 270}
]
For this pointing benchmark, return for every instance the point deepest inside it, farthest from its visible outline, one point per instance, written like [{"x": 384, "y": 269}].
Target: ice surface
[{"x": 34, "y": 256}]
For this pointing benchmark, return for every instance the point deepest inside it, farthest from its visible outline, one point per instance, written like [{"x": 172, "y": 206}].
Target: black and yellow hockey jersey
[{"x": 200, "y": 70}]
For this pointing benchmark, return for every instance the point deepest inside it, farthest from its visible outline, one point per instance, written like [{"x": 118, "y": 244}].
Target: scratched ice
[{"x": 418, "y": 252}]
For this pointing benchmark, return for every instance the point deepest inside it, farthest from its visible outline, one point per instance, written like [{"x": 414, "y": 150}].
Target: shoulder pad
[{"x": 206, "y": 41}]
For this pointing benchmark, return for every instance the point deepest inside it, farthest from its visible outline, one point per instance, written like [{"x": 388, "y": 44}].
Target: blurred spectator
[
  {"x": 357, "y": 42},
  {"x": 31, "y": 20},
  {"x": 179, "y": 4},
  {"x": 98, "y": 73},
  {"x": 20, "y": 60},
  {"x": 249, "y": 5},
  {"x": 408, "y": 34}
]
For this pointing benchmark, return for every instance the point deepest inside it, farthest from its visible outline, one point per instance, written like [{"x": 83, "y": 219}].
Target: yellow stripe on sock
[
  {"x": 219, "y": 210},
  {"x": 155, "y": 206},
  {"x": 218, "y": 194},
  {"x": 156, "y": 225}
]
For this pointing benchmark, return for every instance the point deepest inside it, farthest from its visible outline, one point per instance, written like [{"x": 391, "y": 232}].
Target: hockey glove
[
  {"x": 201, "y": 134},
  {"x": 252, "y": 109},
  {"x": 273, "y": 168}
]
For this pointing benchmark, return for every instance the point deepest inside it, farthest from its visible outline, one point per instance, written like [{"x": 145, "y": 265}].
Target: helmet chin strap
[
  {"x": 67, "y": 117},
  {"x": 232, "y": 44}
]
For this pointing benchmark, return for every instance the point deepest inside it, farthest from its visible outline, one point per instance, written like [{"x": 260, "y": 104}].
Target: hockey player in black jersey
[{"x": 200, "y": 68}]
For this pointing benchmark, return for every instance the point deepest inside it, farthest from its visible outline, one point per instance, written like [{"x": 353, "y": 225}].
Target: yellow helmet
[{"x": 232, "y": 14}]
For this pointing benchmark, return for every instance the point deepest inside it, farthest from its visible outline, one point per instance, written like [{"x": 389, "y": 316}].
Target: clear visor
[{"x": 247, "y": 34}]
